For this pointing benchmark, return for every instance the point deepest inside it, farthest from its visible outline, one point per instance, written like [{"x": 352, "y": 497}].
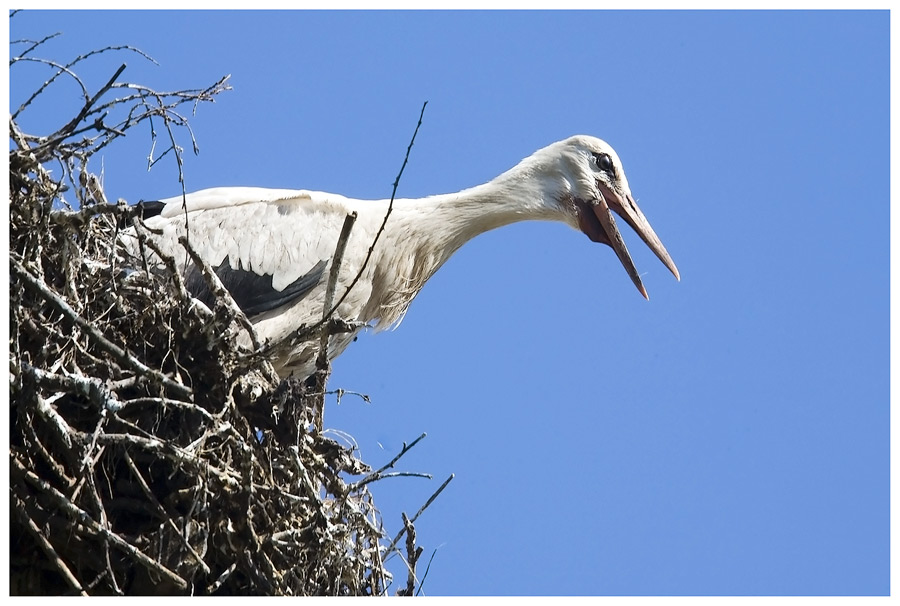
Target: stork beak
[{"x": 608, "y": 233}]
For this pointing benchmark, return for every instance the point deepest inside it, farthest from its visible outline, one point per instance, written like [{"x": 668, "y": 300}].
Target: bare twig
[
  {"x": 336, "y": 261},
  {"x": 63, "y": 69},
  {"x": 378, "y": 473},
  {"x": 412, "y": 556},
  {"x": 304, "y": 332},
  {"x": 340, "y": 393},
  {"x": 323, "y": 368},
  {"x": 69, "y": 128},
  {"x": 425, "y": 575},
  {"x": 34, "y": 44},
  {"x": 88, "y": 213},
  {"x": 430, "y": 500},
  {"x": 222, "y": 578}
]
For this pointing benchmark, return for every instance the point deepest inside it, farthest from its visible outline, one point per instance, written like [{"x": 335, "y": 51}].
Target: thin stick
[
  {"x": 425, "y": 576},
  {"x": 327, "y": 310},
  {"x": 375, "y": 475},
  {"x": 66, "y": 130},
  {"x": 34, "y": 44},
  {"x": 412, "y": 554},
  {"x": 340, "y": 393},
  {"x": 338, "y": 258},
  {"x": 418, "y": 513},
  {"x": 222, "y": 578},
  {"x": 323, "y": 369}
]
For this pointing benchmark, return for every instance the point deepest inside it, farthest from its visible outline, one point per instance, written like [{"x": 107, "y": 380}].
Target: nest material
[
  {"x": 138, "y": 462},
  {"x": 149, "y": 452}
]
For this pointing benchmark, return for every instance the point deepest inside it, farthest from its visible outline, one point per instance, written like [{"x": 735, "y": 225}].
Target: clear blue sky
[{"x": 731, "y": 435}]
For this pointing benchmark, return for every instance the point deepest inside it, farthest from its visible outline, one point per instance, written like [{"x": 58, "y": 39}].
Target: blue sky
[{"x": 731, "y": 435}]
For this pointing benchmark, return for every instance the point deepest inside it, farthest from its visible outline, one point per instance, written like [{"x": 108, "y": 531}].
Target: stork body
[{"x": 272, "y": 248}]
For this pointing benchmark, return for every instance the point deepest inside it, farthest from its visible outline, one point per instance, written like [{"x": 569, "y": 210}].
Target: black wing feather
[
  {"x": 149, "y": 208},
  {"x": 143, "y": 209},
  {"x": 252, "y": 292}
]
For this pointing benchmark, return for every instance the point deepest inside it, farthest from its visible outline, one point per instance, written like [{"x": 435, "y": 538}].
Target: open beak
[{"x": 597, "y": 221}]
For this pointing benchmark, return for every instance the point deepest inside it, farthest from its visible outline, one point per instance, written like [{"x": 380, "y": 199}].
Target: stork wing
[{"x": 269, "y": 247}]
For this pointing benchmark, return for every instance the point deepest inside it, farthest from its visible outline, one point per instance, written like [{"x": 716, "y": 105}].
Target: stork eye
[{"x": 604, "y": 162}]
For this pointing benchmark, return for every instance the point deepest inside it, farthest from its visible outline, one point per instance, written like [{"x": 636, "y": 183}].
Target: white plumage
[{"x": 253, "y": 235}]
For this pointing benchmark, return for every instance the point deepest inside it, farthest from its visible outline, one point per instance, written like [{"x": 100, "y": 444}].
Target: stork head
[{"x": 594, "y": 187}]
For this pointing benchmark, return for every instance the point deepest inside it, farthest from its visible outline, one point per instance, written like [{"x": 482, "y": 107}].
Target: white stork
[{"x": 272, "y": 248}]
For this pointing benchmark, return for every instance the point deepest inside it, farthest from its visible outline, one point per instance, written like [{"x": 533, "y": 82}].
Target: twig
[
  {"x": 340, "y": 393},
  {"x": 34, "y": 44},
  {"x": 66, "y": 130},
  {"x": 327, "y": 310},
  {"x": 163, "y": 402},
  {"x": 431, "y": 499},
  {"x": 86, "y": 214},
  {"x": 102, "y": 522},
  {"x": 145, "y": 240},
  {"x": 67, "y": 68},
  {"x": 336, "y": 261},
  {"x": 401, "y": 474},
  {"x": 375, "y": 475},
  {"x": 49, "y": 414},
  {"x": 323, "y": 369},
  {"x": 62, "y": 69},
  {"x": 412, "y": 555},
  {"x": 91, "y": 388},
  {"x": 32, "y": 441},
  {"x": 222, "y": 578},
  {"x": 425, "y": 576}
]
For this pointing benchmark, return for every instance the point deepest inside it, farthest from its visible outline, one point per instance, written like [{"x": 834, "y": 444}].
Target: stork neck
[
  {"x": 451, "y": 220},
  {"x": 421, "y": 234}
]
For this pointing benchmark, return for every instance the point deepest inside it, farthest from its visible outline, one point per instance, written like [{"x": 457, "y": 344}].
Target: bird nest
[{"x": 151, "y": 453}]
